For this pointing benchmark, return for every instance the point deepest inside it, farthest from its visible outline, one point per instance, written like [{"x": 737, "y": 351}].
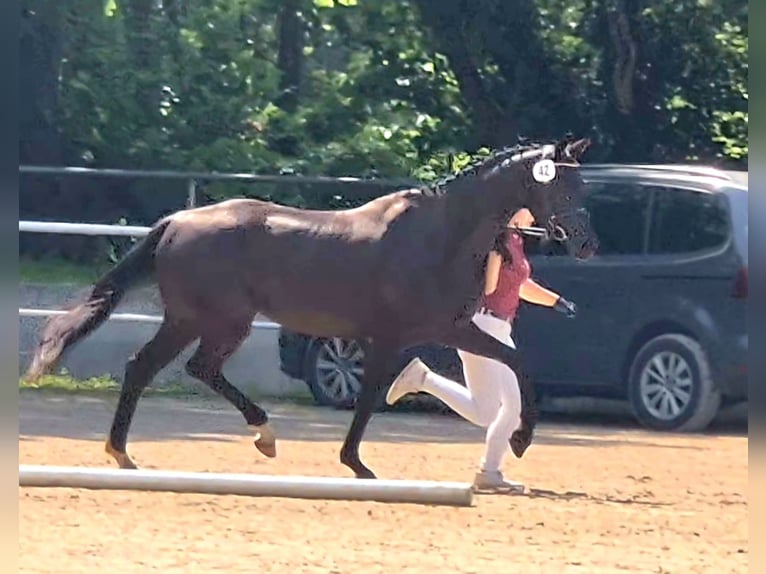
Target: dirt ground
[{"x": 604, "y": 498}]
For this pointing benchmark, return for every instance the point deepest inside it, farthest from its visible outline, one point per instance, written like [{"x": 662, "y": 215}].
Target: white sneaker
[
  {"x": 410, "y": 380},
  {"x": 492, "y": 482}
]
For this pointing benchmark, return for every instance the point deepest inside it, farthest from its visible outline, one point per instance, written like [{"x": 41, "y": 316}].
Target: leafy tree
[{"x": 404, "y": 89}]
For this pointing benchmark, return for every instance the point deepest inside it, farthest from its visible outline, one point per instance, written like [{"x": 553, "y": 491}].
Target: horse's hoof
[
  {"x": 520, "y": 441},
  {"x": 122, "y": 458},
  {"x": 366, "y": 474},
  {"x": 265, "y": 441}
]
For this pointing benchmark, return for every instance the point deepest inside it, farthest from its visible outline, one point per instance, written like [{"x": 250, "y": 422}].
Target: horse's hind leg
[
  {"x": 167, "y": 343},
  {"x": 206, "y": 364}
]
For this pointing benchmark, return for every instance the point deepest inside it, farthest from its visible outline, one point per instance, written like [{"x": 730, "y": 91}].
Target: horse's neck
[{"x": 474, "y": 218}]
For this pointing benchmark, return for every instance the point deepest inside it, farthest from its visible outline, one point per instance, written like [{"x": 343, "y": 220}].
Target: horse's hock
[{"x": 254, "y": 368}]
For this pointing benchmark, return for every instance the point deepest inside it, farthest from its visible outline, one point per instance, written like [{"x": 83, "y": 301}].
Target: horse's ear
[
  {"x": 560, "y": 147},
  {"x": 577, "y": 148}
]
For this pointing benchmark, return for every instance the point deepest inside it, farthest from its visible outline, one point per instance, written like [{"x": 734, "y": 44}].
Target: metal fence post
[{"x": 191, "y": 197}]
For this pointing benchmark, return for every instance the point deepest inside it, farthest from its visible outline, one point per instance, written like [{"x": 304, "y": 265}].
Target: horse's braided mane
[{"x": 440, "y": 187}]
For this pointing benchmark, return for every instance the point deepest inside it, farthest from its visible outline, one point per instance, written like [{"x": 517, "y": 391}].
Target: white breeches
[{"x": 491, "y": 397}]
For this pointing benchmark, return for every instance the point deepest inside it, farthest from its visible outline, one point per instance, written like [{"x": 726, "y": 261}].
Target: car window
[
  {"x": 685, "y": 221},
  {"x": 618, "y": 214}
]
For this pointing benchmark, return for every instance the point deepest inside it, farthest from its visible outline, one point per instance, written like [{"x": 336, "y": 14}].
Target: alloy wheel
[
  {"x": 339, "y": 369},
  {"x": 666, "y": 385}
]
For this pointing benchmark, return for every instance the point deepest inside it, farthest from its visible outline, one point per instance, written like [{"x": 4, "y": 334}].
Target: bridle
[
  {"x": 541, "y": 232},
  {"x": 552, "y": 229}
]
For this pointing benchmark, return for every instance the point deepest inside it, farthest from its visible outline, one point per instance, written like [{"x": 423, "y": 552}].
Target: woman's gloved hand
[{"x": 567, "y": 307}]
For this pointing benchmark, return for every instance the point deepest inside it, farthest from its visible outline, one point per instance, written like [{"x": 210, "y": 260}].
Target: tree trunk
[
  {"x": 291, "y": 37},
  {"x": 492, "y": 125},
  {"x": 630, "y": 114},
  {"x": 138, "y": 20},
  {"x": 540, "y": 96},
  {"x": 41, "y": 43},
  {"x": 173, "y": 11}
]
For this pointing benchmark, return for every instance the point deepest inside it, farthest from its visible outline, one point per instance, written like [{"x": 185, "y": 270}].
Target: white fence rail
[
  {"x": 192, "y": 178},
  {"x": 82, "y": 228},
  {"x": 126, "y": 317},
  {"x": 100, "y": 229}
]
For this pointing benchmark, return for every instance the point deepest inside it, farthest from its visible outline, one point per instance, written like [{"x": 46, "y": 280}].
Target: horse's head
[{"x": 553, "y": 190}]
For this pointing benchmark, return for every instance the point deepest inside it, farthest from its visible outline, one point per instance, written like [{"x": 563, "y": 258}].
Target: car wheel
[
  {"x": 334, "y": 371},
  {"x": 671, "y": 386}
]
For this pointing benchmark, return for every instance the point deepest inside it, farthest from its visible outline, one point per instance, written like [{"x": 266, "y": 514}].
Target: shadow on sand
[{"x": 163, "y": 418}]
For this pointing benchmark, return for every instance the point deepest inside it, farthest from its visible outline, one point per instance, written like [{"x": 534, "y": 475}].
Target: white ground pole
[{"x": 308, "y": 487}]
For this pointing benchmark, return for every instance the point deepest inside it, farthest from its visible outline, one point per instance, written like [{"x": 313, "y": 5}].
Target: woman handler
[{"x": 491, "y": 397}]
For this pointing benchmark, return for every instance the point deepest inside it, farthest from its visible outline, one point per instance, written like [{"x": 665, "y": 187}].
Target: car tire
[
  {"x": 688, "y": 385},
  {"x": 333, "y": 368}
]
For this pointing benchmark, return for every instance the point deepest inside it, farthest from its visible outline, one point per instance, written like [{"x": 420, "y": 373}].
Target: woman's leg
[
  {"x": 476, "y": 402},
  {"x": 507, "y": 417},
  {"x": 505, "y": 390},
  {"x": 491, "y": 399},
  {"x": 479, "y": 400}
]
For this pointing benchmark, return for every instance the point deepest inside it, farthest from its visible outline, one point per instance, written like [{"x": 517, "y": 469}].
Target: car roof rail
[{"x": 698, "y": 170}]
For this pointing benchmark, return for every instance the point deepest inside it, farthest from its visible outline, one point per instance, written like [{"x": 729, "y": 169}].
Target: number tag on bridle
[{"x": 544, "y": 171}]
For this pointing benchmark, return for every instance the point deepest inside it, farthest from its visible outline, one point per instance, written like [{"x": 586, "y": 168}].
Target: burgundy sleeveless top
[{"x": 504, "y": 300}]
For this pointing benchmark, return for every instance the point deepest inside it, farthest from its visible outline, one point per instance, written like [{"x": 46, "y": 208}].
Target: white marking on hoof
[
  {"x": 265, "y": 441},
  {"x": 122, "y": 458}
]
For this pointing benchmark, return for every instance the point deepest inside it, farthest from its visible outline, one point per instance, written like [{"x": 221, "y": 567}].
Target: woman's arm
[
  {"x": 539, "y": 295},
  {"x": 534, "y": 293},
  {"x": 492, "y": 273}
]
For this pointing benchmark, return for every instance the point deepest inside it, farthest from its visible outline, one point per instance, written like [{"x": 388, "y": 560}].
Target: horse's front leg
[
  {"x": 378, "y": 372},
  {"x": 473, "y": 340}
]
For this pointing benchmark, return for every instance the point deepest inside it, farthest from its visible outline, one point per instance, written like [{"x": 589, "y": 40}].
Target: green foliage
[
  {"x": 64, "y": 383},
  {"x": 690, "y": 79},
  {"x": 412, "y": 89},
  {"x": 198, "y": 85},
  {"x": 700, "y": 53},
  {"x": 52, "y": 271}
]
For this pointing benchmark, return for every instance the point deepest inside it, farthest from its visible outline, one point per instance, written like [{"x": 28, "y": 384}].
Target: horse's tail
[{"x": 63, "y": 331}]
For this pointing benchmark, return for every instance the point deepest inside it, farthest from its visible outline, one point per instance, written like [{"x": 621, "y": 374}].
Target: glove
[{"x": 567, "y": 307}]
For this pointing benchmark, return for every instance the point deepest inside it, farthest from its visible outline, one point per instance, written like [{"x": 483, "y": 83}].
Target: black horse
[{"x": 401, "y": 270}]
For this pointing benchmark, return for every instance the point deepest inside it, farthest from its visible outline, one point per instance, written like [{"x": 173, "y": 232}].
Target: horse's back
[
  {"x": 292, "y": 263},
  {"x": 281, "y": 219}
]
